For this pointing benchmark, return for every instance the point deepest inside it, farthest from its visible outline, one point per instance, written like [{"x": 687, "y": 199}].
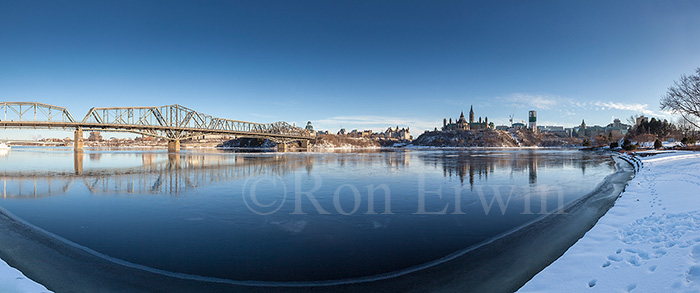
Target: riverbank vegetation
[
  {"x": 339, "y": 141},
  {"x": 493, "y": 138}
]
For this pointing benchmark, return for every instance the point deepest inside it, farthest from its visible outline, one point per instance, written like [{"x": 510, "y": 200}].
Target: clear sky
[{"x": 353, "y": 64}]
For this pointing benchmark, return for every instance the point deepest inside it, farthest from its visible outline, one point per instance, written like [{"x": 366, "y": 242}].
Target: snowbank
[
  {"x": 648, "y": 242},
  {"x": 12, "y": 280}
]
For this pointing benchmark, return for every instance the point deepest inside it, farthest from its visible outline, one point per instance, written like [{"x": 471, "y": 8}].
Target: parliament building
[{"x": 462, "y": 124}]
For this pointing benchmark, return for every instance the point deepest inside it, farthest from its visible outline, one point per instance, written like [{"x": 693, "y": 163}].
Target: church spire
[{"x": 471, "y": 114}]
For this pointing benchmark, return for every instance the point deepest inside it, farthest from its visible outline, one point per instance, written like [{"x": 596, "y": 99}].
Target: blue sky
[{"x": 352, "y": 64}]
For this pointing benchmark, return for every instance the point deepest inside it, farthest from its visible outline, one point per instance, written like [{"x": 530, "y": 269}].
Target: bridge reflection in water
[
  {"x": 175, "y": 173},
  {"x": 158, "y": 174}
]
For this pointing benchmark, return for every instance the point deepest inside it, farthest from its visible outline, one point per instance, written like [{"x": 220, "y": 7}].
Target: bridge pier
[
  {"x": 78, "y": 142},
  {"x": 281, "y": 147},
  {"x": 174, "y": 146},
  {"x": 305, "y": 144}
]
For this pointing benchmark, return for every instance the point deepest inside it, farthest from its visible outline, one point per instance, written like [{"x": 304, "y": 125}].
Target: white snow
[
  {"x": 649, "y": 241},
  {"x": 669, "y": 144},
  {"x": 515, "y": 138},
  {"x": 13, "y": 281}
]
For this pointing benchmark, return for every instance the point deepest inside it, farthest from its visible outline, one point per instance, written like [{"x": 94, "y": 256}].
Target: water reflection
[
  {"x": 78, "y": 162},
  {"x": 95, "y": 156},
  {"x": 159, "y": 174},
  {"x": 477, "y": 165},
  {"x": 113, "y": 202},
  {"x": 177, "y": 173}
]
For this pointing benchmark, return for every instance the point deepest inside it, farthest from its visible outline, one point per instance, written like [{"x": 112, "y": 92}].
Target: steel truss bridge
[{"x": 172, "y": 122}]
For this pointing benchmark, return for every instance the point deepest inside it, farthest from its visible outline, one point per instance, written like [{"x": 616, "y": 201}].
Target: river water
[{"x": 290, "y": 216}]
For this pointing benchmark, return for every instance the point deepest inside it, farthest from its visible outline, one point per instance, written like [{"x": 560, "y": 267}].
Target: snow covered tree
[{"x": 683, "y": 97}]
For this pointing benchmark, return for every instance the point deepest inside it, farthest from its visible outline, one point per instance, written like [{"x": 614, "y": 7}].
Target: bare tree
[
  {"x": 683, "y": 98},
  {"x": 95, "y": 136},
  {"x": 686, "y": 128}
]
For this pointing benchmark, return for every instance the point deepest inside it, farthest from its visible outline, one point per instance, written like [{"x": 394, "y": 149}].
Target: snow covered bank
[
  {"x": 12, "y": 280},
  {"x": 649, "y": 241}
]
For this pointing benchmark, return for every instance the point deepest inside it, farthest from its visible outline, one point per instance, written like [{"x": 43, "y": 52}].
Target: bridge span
[{"x": 172, "y": 122}]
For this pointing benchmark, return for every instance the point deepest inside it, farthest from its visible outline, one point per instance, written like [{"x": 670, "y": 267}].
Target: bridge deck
[
  {"x": 140, "y": 129},
  {"x": 172, "y": 122}
]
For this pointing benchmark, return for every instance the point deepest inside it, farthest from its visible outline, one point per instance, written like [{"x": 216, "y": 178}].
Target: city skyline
[{"x": 352, "y": 65}]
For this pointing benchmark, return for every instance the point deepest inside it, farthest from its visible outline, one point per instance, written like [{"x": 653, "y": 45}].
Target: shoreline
[
  {"x": 648, "y": 241},
  {"x": 12, "y": 280},
  {"x": 312, "y": 149},
  {"x": 74, "y": 262}
]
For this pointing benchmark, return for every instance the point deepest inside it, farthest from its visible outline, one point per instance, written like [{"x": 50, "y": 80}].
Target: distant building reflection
[
  {"x": 478, "y": 165},
  {"x": 532, "y": 170},
  {"x": 148, "y": 158},
  {"x": 397, "y": 159},
  {"x": 161, "y": 173},
  {"x": 95, "y": 156}
]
